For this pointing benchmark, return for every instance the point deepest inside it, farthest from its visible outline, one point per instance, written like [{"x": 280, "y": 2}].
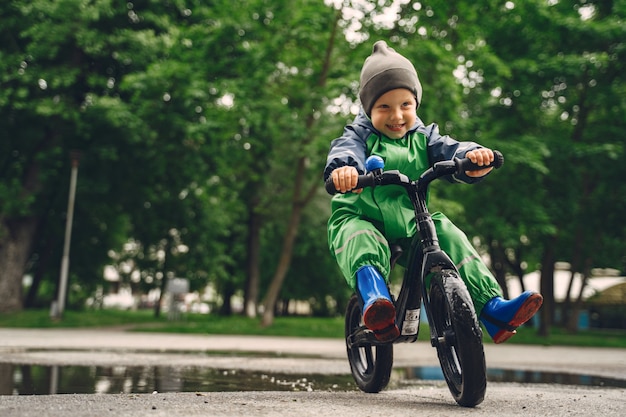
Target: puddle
[
  {"x": 528, "y": 377},
  {"x": 18, "y": 379},
  {"x": 43, "y": 380}
]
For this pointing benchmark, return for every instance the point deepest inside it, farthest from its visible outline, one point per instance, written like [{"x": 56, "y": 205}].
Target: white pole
[{"x": 65, "y": 261}]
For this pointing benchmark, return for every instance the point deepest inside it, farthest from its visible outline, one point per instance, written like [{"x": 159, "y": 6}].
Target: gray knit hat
[{"x": 385, "y": 70}]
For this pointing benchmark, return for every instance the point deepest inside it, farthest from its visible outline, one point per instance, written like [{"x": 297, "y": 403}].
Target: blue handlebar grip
[{"x": 373, "y": 163}]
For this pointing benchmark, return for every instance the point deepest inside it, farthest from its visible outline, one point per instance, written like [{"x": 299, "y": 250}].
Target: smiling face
[{"x": 394, "y": 113}]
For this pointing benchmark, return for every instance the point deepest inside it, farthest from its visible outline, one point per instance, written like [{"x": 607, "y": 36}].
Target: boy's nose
[{"x": 396, "y": 114}]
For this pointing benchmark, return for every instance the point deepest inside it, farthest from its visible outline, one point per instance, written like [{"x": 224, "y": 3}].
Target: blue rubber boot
[
  {"x": 379, "y": 313},
  {"x": 502, "y": 317}
]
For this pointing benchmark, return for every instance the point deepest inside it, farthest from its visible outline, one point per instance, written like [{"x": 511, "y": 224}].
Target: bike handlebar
[{"x": 439, "y": 169}]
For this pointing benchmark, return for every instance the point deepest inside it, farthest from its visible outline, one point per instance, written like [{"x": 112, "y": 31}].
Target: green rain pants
[{"x": 356, "y": 242}]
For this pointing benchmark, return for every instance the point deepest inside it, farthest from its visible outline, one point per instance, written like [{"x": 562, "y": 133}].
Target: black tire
[
  {"x": 370, "y": 364},
  {"x": 458, "y": 338}
]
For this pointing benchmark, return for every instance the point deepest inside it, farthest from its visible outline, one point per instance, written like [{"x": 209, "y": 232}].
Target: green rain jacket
[
  {"x": 356, "y": 144},
  {"x": 389, "y": 207},
  {"x": 362, "y": 226}
]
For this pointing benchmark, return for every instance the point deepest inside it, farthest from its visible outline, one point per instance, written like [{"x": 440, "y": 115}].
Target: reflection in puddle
[
  {"x": 536, "y": 377},
  {"x": 528, "y": 377},
  {"x": 41, "y": 380}
]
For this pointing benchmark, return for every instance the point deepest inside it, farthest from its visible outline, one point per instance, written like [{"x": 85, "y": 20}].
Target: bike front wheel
[
  {"x": 370, "y": 364},
  {"x": 457, "y": 336}
]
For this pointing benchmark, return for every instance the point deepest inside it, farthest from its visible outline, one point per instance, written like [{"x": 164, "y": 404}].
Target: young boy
[{"x": 365, "y": 222}]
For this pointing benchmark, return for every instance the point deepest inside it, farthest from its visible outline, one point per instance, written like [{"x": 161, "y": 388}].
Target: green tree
[
  {"x": 550, "y": 95},
  {"x": 203, "y": 133},
  {"x": 107, "y": 81},
  {"x": 543, "y": 83},
  {"x": 570, "y": 98},
  {"x": 55, "y": 70}
]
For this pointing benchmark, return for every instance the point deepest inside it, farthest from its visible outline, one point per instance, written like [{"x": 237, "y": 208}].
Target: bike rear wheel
[
  {"x": 457, "y": 336},
  {"x": 370, "y": 364}
]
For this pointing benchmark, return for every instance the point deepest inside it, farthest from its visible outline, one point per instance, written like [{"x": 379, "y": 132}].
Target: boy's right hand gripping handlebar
[{"x": 455, "y": 166}]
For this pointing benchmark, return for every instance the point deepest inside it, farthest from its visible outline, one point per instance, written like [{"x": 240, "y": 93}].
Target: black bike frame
[{"x": 425, "y": 257}]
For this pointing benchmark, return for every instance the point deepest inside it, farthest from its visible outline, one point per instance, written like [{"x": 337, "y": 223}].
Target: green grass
[
  {"x": 561, "y": 337},
  {"x": 144, "y": 320},
  {"x": 238, "y": 325},
  {"x": 91, "y": 318}
]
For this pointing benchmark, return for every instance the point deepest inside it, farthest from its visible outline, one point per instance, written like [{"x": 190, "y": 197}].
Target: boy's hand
[
  {"x": 480, "y": 157},
  {"x": 345, "y": 179}
]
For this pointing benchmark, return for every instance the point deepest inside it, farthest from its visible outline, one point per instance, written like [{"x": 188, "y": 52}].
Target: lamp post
[{"x": 65, "y": 261}]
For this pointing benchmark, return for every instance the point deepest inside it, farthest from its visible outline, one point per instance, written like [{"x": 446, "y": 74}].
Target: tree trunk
[
  {"x": 566, "y": 308},
  {"x": 283, "y": 266},
  {"x": 498, "y": 262},
  {"x": 31, "y": 295},
  {"x": 516, "y": 265},
  {"x": 572, "y": 322},
  {"x": 226, "y": 309},
  {"x": 157, "y": 305},
  {"x": 43, "y": 264},
  {"x": 251, "y": 294},
  {"x": 547, "y": 289},
  {"x": 16, "y": 239},
  {"x": 297, "y": 204},
  {"x": 576, "y": 263}
]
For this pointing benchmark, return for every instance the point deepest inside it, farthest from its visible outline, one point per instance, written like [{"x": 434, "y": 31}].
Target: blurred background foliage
[{"x": 203, "y": 126}]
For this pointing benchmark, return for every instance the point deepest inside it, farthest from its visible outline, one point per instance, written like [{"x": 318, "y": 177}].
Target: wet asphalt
[{"x": 300, "y": 356}]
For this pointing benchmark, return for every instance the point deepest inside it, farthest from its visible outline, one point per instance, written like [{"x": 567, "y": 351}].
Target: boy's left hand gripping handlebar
[{"x": 466, "y": 165}]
